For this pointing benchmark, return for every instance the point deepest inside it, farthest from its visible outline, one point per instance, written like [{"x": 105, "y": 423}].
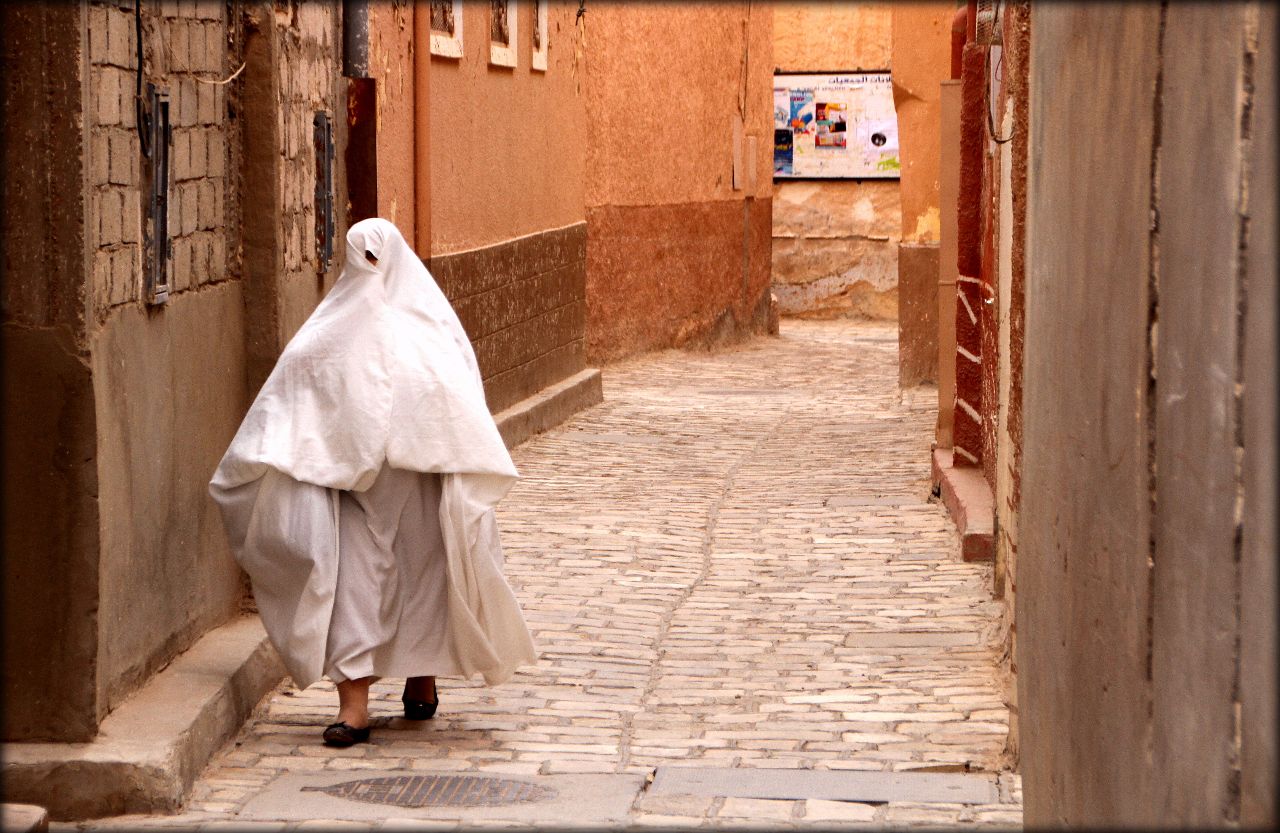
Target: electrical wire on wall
[
  {"x": 142, "y": 118},
  {"x": 580, "y": 43},
  {"x": 744, "y": 78},
  {"x": 996, "y": 21}
]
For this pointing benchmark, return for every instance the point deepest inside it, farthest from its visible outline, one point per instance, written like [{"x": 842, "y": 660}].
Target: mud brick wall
[
  {"x": 168, "y": 380},
  {"x": 308, "y": 61},
  {"x": 185, "y": 50},
  {"x": 174, "y": 381},
  {"x": 523, "y": 305}
]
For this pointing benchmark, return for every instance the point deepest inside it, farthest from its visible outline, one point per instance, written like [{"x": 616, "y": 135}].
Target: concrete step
[
  {"x": 968, "y": 499},
  {"x": 149, "y": 750},
  {"x": 23, "y": 818}
]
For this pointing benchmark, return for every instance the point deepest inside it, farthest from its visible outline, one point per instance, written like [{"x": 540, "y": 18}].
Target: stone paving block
[
  {"x": 600, "y": 798},
  {"x": 848, "y": 786},
  {"x": 817, "y": 809},
  {"x": 757, "y": 809}
]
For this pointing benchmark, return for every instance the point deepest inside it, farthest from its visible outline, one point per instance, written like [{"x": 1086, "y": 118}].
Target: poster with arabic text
[{"x": 834, "y": 126}]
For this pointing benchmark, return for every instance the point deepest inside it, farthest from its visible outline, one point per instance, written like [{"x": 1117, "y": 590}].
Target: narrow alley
[{"x": 731, "y": 562}]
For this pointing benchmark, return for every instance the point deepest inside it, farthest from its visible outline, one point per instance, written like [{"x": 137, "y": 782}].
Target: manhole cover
[{"x": 437, "y": 791}]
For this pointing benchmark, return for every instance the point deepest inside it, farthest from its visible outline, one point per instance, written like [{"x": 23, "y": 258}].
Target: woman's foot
[
  {"x": 341, "y": 734},
  {"x": 352, "y": 725},
  {"x": 420, "y": 698}
]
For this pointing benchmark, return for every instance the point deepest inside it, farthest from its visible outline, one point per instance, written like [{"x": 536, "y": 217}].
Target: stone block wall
[{"x": 185, "y": 51}]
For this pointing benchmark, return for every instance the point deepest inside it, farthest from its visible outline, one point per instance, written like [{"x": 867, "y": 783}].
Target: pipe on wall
[
  {"x": 355, "y": 38},
  {"x": 959, "y": 28}
]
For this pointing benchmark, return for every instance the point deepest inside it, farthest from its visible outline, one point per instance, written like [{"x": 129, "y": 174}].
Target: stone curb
[
  {"x": 149, "y": 751},
  {"x": 550, "y": 406},
  {"x": 968, "y": 499},
  {"x": 23, "y": 818}
]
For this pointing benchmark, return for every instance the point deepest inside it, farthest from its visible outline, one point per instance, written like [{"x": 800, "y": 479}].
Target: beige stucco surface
[
  {"x": 507, "y": 145},
  {"x": 921, "y": 59},
  {"x": 664, "y": 84},
  {"x": 831, "y": 36}
]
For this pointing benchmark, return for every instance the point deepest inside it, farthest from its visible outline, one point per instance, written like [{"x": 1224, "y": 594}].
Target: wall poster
[{"x": 834, "y": 126}]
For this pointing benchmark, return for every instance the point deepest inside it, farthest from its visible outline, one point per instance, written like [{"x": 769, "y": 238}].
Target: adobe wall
[
  {"x": 508, "y": 221},
  {"x": 1010, "y": 281},
  {"x": 1147, "y": 571},
  {"x": 676, "y": 256},
  {"x": 921, "y": 60},
  {"x": 835, "y": 244},
  {"x": 172, "y": 382},
  {"x": 50, "y": 502}
]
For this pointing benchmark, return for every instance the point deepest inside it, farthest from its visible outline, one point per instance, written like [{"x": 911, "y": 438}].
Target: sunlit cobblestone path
[{"x": 731, "y": 562}]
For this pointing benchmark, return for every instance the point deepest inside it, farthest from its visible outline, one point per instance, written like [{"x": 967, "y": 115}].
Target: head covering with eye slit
[{"x": 381, "y": 374}]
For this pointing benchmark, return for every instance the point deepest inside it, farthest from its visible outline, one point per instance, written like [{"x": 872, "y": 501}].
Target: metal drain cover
[{"x": 437, "y": 791}]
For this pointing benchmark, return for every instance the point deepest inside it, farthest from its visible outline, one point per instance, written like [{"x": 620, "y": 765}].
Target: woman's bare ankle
[{"x": 353, "y": 702}]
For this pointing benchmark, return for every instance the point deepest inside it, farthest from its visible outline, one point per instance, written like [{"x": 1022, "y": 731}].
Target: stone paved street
[{"x": 732, "y": 562}]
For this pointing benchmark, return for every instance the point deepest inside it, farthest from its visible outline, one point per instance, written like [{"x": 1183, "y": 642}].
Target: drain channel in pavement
[
  {"x": 437, "y": 791},
  {"x": 536, "y": 799}
]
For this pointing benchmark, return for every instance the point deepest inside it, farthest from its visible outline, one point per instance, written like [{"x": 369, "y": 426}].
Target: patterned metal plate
[{"x": 438, "y": 791}]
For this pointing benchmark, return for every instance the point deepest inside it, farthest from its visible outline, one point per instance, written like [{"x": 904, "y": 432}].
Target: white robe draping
[
  {"x": 390, "y": 606},
  {"x": 381, "y": 374}
]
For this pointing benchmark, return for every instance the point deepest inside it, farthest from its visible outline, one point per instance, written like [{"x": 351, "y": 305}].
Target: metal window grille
[
  {"x": 157, "y": 245},
  {"x": 442, "y": 18},
  {"x": 499, "y": 25}
]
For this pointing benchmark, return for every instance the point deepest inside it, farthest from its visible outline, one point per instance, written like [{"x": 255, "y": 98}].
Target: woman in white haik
[{"x": 359, "y": 494}]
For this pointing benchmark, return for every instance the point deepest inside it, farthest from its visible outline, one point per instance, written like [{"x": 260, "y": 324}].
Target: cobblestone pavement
[{"x": 719, "y": 565}]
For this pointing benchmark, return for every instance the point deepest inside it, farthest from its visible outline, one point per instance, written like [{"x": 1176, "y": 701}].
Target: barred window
[
  {"x": 502, "y": 32},
  {"x": 446, "y": 28}
]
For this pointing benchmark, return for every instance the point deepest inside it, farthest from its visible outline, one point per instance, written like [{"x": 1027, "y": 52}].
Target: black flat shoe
[
  {"x": 341, "y": 734},
  {"x": 420, "y": 709}
]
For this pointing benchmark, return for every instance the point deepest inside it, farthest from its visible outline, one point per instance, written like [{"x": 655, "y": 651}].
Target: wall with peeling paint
[{"x": 835, "y": 244}]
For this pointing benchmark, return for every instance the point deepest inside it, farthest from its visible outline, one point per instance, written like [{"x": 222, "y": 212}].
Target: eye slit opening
[{"x": 369, "y": 257}]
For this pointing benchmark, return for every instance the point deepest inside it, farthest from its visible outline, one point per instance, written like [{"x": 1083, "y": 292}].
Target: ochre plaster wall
[
  {"x": 835, "y": 243},
  {"x": 507, "y": 146},
  {"x": 831, "y": 35},
  {"x": 921, "y": 59},
  {"x": 391, "y": 65},
  {"x": 507, "y": 151},
  {"x": 676, "y": 255}
]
